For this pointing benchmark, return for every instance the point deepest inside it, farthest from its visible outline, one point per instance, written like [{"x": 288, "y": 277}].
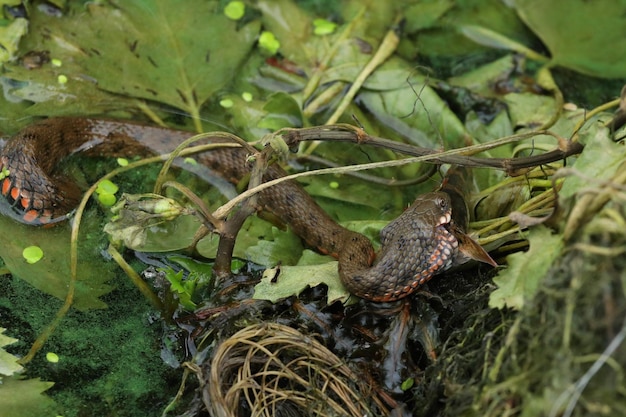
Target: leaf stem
[{"x": 135, "y": 278}]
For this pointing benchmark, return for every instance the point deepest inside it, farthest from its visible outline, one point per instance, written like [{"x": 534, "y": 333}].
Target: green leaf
[
  {"x": 432, "y": 118},
  {"x": 175, "y": 279},
  {"x": 169, "y": 65},
  {"x": 173, "y": 65},
  {"x": 585, "y": 36},
  {"x": 107, "y": 187},
  {"x": 425, "y": 14},
  {"x": 80, "y": 95},
  {"x": 312, "y": 269},
  {"x": 25, "y": 398},
  {"x": 8, "y": 362},
  {"x": 518, "y": 283},
  {"x": 107, "y": 200},
  {"x": 598, "y": 161},
  {"x": 10, "y": 36},
  {"x": 487, "y": 37},
  {"x": 282, "y": 111},
  {"x": 407, "y": 384},
  {"x": 323, "y": 27},
  {"x": 275, "y": 248},
  {"x": 444, "y": 39},
  {"x": 182, "y": 286},
  {"x": 51, "y": 274},
  {"x": 260, "y": 242},
  {"x": 292, "y": 280},
  {"x": 530, "y": 110}
]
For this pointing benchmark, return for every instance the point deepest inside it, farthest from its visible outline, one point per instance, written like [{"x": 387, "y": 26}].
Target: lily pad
[{"x": 51, "y": 274}]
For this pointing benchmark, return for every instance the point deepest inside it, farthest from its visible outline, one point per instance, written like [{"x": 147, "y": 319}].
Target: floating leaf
[
  {"x": 275, "y": 248},
  {"x": 227, "y": 103},
  {"x": 235, "y": 10},
  {"x": 530, "y": 110},
  {"x": 51, "y": 274},
  {"x": 52, "y": 357},
  {"x": 32, "y": 254},
  {"x": 268, "y": 42},
  {"x": 107, "y": 200},
  {"x": 430, "y": 120},
  {"x": 107, "y": 187}
]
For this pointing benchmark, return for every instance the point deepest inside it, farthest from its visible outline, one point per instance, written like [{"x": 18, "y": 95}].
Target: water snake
[{"x": 417, "y": 245}]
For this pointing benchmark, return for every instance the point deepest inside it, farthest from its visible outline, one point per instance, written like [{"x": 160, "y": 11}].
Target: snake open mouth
[{"x": 445, "y": 219}]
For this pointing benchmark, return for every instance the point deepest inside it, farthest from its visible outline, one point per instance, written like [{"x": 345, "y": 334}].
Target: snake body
[{"x": 415, "y": 246}]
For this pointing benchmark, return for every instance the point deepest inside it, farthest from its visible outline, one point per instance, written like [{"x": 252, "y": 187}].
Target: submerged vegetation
[{"x": 132, "y": 310}]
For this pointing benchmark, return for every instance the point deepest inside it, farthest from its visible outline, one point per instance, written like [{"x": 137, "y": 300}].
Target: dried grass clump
[{"x": 269, "y": 370}]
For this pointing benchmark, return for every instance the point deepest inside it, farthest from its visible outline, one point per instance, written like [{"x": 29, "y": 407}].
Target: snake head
[{"x": 443, "y": 204}]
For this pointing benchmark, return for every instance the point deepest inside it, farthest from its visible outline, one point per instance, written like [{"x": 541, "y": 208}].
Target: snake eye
[{"x": 441, "y": 202}]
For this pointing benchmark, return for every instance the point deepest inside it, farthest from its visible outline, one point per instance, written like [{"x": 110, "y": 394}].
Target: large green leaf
[
  {"x": 24, "y": 398},
  {"x": 52, "y": 273},
  {"x": 174, "y": 65},
  {"x": 443, "y": 37},
  {"x": 115, "y": 45},
  {"x": 586, "y": 36}
]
